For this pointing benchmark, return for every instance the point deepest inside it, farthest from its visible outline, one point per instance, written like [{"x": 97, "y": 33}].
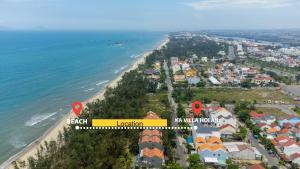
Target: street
[{"x": 181, "y": 152}]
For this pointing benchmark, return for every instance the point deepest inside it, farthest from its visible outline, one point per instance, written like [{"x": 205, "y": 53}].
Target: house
[
  {"x": 227, "y": 130},
  {"x": 280, "y": 140},
  {"x": 226, "y": 120},
  {"x": 291, "y": 147},
  {"x": 297, "y": 125},
  {"x": 268, "y": 119},
  {"x": 151, "y": 149},
  {"x": 214, "y": 81},
  {"x": 151, "y": 158},
  {"x": 190, "y": 72},
  {"x": 151, "y": 72},
  {"x": 193, "y": 80},
  {"x": 261, "y": 79},
  {"x": 211, "y": 150},
  {"x": 256, "y": 166},
  {"x": 262, "y": 118},
  {"x": 295, "y": 158},
  {"x": 224, "y": 117},
  {"x": 295, "y": 132},
  {"x": 241, "y": 151},
  {"x": 174, "y": 60},
  {"x": 176, "y": 68},
  {"x": 179, "y": 78},
  {"x": 283, "y": 132},
  {"x": 294, "y": 120},
  {"x": 203, "y": 59},
  {"x": 219, "y": 111},
  {"x": 185, "y": 66},
  {"x": 205, "y": 132},
  {"x": 215, "y": 154},
  {"x": 255, "y": 115},
  {"x": 157, "y": 65},
  {"x": 263, "y": 126}
]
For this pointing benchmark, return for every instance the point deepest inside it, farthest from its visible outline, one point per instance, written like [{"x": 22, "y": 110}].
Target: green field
[
  {"x": 235, "y": 95},
  {"x": 272, "y": 111},
  {"x": 158, "y": 103}
]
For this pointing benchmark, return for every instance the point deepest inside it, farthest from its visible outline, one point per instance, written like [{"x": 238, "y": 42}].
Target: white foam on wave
[
  {"x": 102, "y": 82},
  {"x": 135, "y": 56},
  {"x": 90, "y": 89},
  {"x": 120, "y": 69},
  {"x": 17, "y": 143},
  {"x": 39, "y": 118}
]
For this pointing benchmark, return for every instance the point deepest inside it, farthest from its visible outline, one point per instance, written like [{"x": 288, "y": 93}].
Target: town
[{"x": 245, "y": 86}]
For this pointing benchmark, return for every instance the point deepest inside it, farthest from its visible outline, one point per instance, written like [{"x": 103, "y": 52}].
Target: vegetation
[
  {"x": 297, "y": 110},
  {"x": 194, "y": 162},
  {"x": 230, "y": 165},
  {"x": 173, "y": 166},
  {"x": 274, "y": 66},
  {"x": 242, "y": 133},
  {"x": 236, "y": 95},
  {"x": 183, "y": 48},
  {"x": 271, "y": 111}
]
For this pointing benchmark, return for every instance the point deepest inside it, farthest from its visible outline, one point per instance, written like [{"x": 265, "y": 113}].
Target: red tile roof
[
  {"x": 260, "y": 125},
  {"x": 287, "y": 125},
  {"x": 153, "y": 139},
  {"x": 283, "y": 131},
  {"x": 254, "y": 114},
  {"x": 297, "y": 125},
  {"x": 226, "y": 125},
  {"x": 273, "y": 125},
  {"x": 152, "y": 115},
  {"x": 281, "y": 138},
  {"x": 256, "y": 166},
  {"x": 289, "y": 143},
  {"x": 153, "y": 152},
  {"x": 151, "y": 133},
  {"x": 294, "y": 156}
]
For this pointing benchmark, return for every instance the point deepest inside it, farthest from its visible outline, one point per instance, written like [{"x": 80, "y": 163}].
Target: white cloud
[{"x": 209, "y": 4}]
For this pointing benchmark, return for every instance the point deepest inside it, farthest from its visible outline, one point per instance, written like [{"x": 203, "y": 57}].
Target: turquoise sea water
[{"x": 42, "y": 73}]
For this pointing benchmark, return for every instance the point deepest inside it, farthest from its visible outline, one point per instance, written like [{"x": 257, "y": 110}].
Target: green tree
[
  {"x": 195, "y": 162},
  {"x": 173, "y": 166},
  {"x": 230, "y": 165},
  {"x": 201, "y": 84}
]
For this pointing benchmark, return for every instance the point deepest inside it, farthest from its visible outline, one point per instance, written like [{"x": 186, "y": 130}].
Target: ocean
[{"x": 42, "y": 73}]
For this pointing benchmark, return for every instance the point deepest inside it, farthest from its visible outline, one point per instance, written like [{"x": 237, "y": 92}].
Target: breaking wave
[
  {"x": 120, "y": 69},
  {"x": 39, "y": 118}
]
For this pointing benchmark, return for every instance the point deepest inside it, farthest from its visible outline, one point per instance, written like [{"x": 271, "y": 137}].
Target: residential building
[
  {"x": 242, "y": 151},
  {"x": 151, "y": 150}
]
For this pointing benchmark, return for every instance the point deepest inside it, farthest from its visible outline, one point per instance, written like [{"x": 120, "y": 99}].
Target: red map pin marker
[
  {"x": 77, "y": 107},
  {"x": 197, "y": 107}
]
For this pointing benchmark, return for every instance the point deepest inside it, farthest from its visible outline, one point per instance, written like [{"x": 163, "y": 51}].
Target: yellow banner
[{"x": 129, "y": 122}]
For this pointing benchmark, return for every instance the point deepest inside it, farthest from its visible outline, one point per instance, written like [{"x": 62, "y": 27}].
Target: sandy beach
[{"x": 52, "y": 133}]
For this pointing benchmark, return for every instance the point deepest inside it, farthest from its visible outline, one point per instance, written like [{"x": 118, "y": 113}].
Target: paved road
[
  {"x": 292, "y": 90},
  {"x": 231, "y": 54},
  {"x": 181, "y": 152},
  {"x": 271, "y": 161}
]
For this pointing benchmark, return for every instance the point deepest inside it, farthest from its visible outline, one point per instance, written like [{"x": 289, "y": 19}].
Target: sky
[{"x": 160, "y": 15}]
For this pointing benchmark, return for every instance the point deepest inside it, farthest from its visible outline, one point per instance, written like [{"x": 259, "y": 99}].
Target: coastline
[{"x": 52, "y": 132}]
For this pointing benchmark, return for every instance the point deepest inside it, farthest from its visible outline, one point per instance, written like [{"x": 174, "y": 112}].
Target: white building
[
  {"x": 242, "y": 151},
  {"x": 203, "y": 59}
]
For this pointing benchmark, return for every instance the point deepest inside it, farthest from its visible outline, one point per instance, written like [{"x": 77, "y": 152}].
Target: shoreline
[{"x": 53, "y": 131}]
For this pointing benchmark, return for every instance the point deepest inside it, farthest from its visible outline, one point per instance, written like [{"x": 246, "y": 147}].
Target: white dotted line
[{"x": 132, "y": 128}]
